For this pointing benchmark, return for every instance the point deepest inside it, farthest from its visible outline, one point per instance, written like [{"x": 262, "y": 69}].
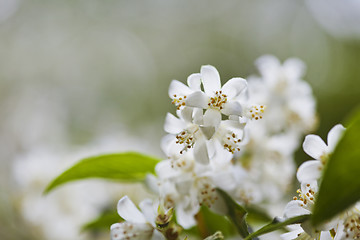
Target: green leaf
[
  {"x": 236, "y": 213},
  {"x": 208, "y": 223},
  {"x": 340, "y": 187},
  {"x": 103, "y": 222},
  {"x": 128, "y": 167},
  {"x": 256, "y": 214},
  {"x": 276, "y": 225}
]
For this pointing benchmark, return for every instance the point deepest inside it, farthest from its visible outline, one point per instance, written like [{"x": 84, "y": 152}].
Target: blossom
[
  {"x": 289, "y": 102},
  {"x": 315, "y": 147},
  {"x": 185, "y": 185},
  {"x": 138, "y": 225},
  {"x": 179, "y": 92},
  {"x": 194, "y": 130},
  {"x": 222, "y": 99}
]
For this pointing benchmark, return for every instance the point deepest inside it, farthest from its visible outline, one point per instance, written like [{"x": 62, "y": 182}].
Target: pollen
[
  {"x": 231, "y": 141},
  {"x": 186, "y": 138},
  {"x": 218, "y": 101},
  {"x": 179, "y": 101},
  {"x": 256, "y": 112},
  {"x": 352, "y": 225}
]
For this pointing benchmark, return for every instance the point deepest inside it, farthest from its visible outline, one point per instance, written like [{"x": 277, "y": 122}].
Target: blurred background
[{"x": 79, "y": 78}]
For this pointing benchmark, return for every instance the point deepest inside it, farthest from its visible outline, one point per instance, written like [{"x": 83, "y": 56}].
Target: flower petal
[
  {"x": 164, "y": 170},
  {"x": 212, "y": 117},
  {"x": 207, "y": 131},
  {"x": 173, "y": 124},
  {"x": 211, "y": 79},
  {"x": 194, "y": 81},
  {"x": 314, "y": 146},
  {"x": 157, "y": 235},
  {"x": 234, "y": 87},
  {"x": 200, "y": 152},
  {"x": 334, "y": 136},
  {"x": 147, "y": 208},
  {"x": 186, "y": 114},
  {"x": 129, "y": 212},
  {"x": 197, "y": 99},
  {"x": 232, "y": 108},
  {"x": 309, "y": 171},
  {"x": 293, "y": 209},
  {"x": 178, "y": 88}
]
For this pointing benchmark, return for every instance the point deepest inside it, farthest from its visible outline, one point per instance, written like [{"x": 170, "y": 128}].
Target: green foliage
[
  {"x": 236, "y": 213},
  {"x": 276, "y": 225},
  {"x": 103, "y": 222},
  {"x": 127, "y": 167},
  {"x": 340, "y": 187}
]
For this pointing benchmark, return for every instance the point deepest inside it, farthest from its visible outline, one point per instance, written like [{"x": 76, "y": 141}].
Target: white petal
[
  {"x": 211, "y": 79},
  {"x": 185, "y": 214},
  {"x": 208, "y": 132},
  {"x": 129, "y": 212},
  {"x": 197, "y": 99},
  {"x": 116, "y": 231},
  {"x": 152, "y": 183},
  {"x": 183, "y": 187},
  {"x": 212, "y": 117},
  {"x": 224, "y": 180},
  {"x": 334, "y": 136},
  {"x": 157, "y": 235},
  {"x": 167, "y": 143},
  {"x": 314, "y": 146},
  {"x": 309, "y": 171},
  {"x": 234, "y": 87},
  {"x": 292, "y": 235},
  {"x": 200, "y": 152},
  {"x": 198, "y": 116},
  {"x": 186, "y": 114},
  {"x": 293, "y": 209},
  {"x": 147, "y": 208},
  {"x": 194, "y": 81},
  {"x": 173, "y": 124},
  {"x": 232, "y": 108},
  {"x": 164, "y": 170},
  {"x": 178, "y": 88},
  {"x": 219, "y": 206}
]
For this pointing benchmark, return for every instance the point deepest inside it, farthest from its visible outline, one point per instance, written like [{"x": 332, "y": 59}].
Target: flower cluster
[{"x": 239, "y": 137}]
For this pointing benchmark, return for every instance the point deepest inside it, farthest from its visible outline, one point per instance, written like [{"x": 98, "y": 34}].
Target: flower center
[
  {"x": 256, "y": 112},
  {"x": 207, "y": 193},
  {"x": 352, "y": 226},
  {"x": 187, "y": 138},
  {"x": 218, "y": 100},
  {"x": 231, "y": 141},
  {"x": 306, "y": 197},
  {"x": 178, "y": 101}
]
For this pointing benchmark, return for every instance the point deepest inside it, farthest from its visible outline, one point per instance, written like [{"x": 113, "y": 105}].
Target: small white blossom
[
  {"x": 222, "y": 99},
  {"x": 138, "y": 225},
  {"x": 315, "y": 147}
]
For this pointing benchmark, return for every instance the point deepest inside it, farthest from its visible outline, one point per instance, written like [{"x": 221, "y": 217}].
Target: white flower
[
  {"x": 138, "y": 225},
  {"x": 222, "y": 99},
  {"x": 315, "y": 147},
  {"x": 288, "y": 99},
  {"x": 186, "y": 185},
  {"x": 200, "y": 132},
  {"x": 179, "y": 92}
]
